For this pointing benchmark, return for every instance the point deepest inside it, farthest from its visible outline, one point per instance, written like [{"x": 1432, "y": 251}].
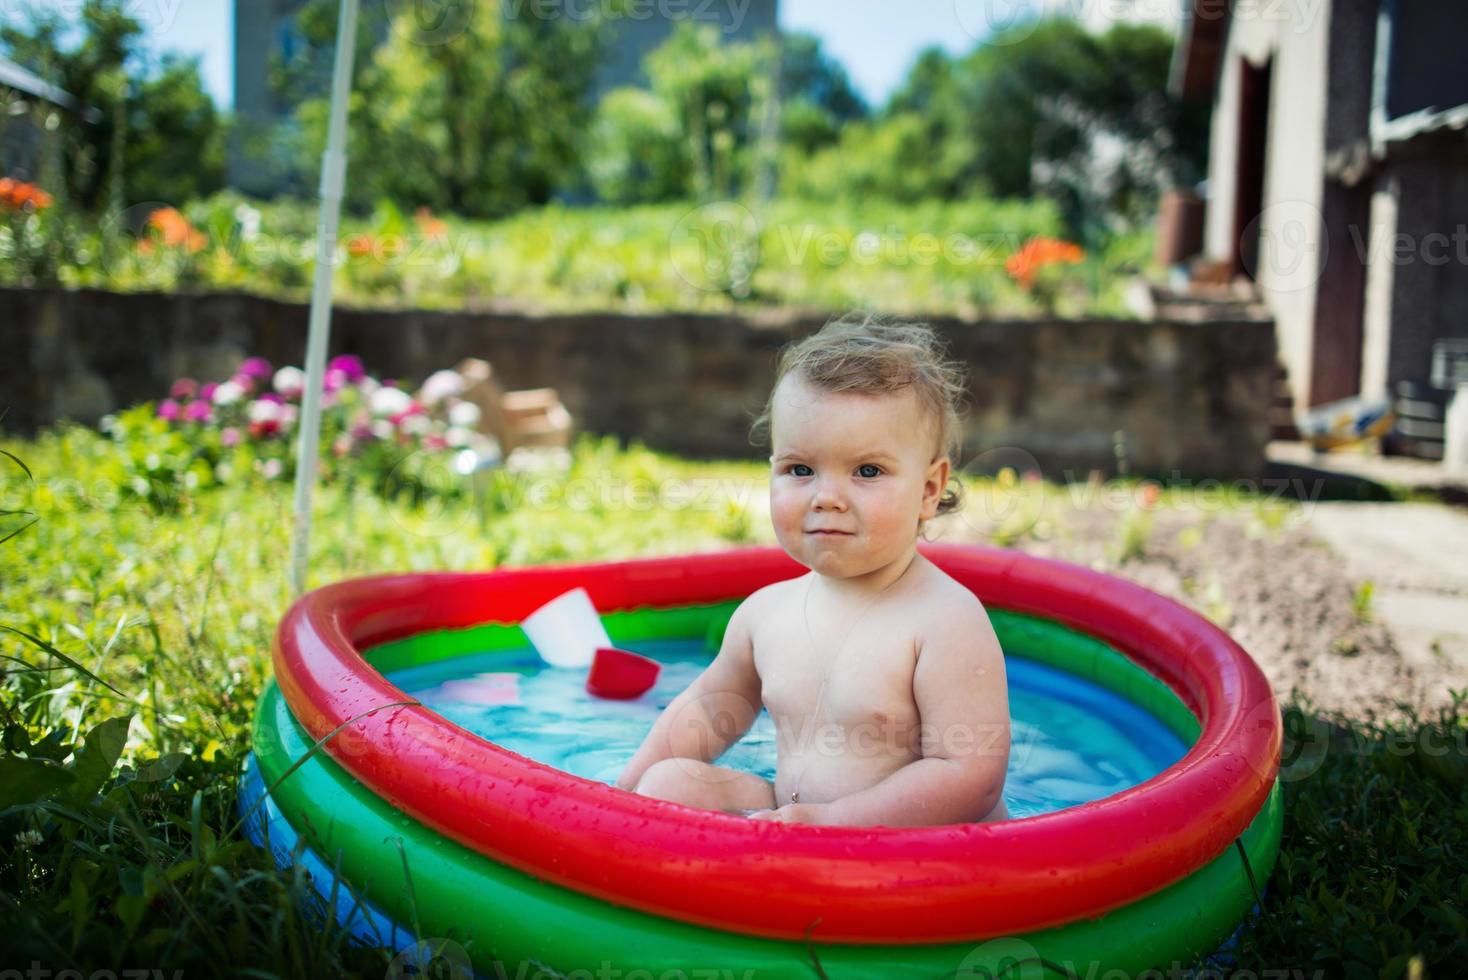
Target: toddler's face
[{"x": 852, "y": 476}]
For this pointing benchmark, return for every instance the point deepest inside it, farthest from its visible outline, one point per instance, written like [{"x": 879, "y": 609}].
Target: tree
[
  {"x": 482, "y": 121},
  {"x": 697, "y": 130},
  {"x": 816, "y": 97},
  {"x": 158, "y": 135},
  {"x": 1053, "y": 109}
]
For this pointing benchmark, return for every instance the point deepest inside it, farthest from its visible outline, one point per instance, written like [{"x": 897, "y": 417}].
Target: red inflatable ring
[{"x": 836, "y": 884}]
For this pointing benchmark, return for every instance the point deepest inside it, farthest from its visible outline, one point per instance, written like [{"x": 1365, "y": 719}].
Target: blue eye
[
  {"x": 794, "y": 469},
  {"x": 863, "y": 468}
]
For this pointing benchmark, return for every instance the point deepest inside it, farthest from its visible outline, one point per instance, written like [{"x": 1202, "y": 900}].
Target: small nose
[{"x": 827, "y": 497}]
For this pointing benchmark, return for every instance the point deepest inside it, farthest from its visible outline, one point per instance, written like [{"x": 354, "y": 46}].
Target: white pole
[{"x": 333, "y": 176}]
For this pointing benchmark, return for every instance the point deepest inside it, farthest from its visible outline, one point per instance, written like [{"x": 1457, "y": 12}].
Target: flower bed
[{"x": 373, "y": 432}]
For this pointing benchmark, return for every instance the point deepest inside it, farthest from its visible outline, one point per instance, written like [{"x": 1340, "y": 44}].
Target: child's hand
[{"x": 808, "y": 813}]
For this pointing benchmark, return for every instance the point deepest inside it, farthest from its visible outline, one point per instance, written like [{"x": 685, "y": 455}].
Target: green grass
[
  {"x": 119, "y": 841},
  {"x": 930, "y": 258}
]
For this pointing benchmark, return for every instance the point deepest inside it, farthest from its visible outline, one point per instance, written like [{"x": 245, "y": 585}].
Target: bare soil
[{"x": 1283, "y": 594}]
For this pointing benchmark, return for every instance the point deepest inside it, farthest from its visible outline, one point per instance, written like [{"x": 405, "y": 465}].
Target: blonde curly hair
[{"x": 868, "y": 354}]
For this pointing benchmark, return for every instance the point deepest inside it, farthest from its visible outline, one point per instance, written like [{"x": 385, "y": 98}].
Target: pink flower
[
  {"x": 197, "y": 411},
  {"x": 168, "y": 409},
  {"x": 342, "y": 445},
  {"x": 335, "y": 379},
  {"x": 245, "y": 381},
  {"x": 229, "y": 436},
  {"x": 256, "y": 367},
  {"x": 414, "y": 408},
  {"x": 349, "y": 365},
  {"x": 207, "y": 392},
  {"x": 271, "y": 396},
  {"x": 184, "y": 389}
]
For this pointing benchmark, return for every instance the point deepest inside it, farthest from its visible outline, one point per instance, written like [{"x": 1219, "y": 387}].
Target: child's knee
[{"x": 671, "y": 779}]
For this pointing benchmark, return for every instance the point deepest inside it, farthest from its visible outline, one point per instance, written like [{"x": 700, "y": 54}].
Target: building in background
[
  {"x": 265, "y": 30},
  {"x": 1338, "y": 183}
]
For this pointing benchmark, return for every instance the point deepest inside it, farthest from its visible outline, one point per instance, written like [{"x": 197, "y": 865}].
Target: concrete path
[{"x": 1416, "y": 557}]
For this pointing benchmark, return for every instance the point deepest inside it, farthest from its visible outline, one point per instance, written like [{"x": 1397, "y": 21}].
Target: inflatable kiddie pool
[{"x": 442, "y": 833}]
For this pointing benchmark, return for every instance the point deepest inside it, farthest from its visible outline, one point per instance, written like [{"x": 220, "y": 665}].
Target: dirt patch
[{"x": 1283, "y": 594}]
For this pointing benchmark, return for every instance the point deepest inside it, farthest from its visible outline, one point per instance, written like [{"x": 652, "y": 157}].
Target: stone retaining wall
[{"x": 1191, "y": 397}]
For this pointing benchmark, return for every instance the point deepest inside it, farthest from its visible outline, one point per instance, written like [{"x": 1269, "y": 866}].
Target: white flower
[
  {"x": 390, "y": 401},
  {"x": 228, "y": 393},
  {"x": 289, "y": 382},
  {"x": 416, "y": 425},
  {"x": 382, "y": 429},
  {"x": 262, "y": 410},
  {"x": 457, "y": 437},
  {"x": 441, "y": 385},
  {"x": 272, "y": 468},
  {"x": 368, "y": 384},
  {"x": 465, "y": 414},
  {"x": 249, "y": 220}
]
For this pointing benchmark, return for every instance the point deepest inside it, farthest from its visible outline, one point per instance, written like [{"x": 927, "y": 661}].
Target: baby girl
[{"x": 882, "y": 674}]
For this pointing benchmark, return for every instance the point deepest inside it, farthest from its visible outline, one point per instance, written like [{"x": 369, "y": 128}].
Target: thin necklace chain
[{"x": 831, "y": 667}]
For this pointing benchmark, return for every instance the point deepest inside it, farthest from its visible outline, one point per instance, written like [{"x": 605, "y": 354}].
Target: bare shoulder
[
  {"x": 950, "y": 610},
  {"x": 770, "y": 598},
  {"x": 764, "y": 605}
]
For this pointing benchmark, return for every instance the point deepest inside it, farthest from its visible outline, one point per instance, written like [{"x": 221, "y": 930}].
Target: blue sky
[{"x": 876, "y": 40}]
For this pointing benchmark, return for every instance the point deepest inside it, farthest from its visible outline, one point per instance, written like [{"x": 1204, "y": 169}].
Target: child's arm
[
  {"x": 712, "y": 713},
  {"x": 963, "y": 702}
]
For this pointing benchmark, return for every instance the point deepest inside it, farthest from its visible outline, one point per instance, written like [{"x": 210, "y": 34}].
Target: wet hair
[{"x": 868, "y": 354}]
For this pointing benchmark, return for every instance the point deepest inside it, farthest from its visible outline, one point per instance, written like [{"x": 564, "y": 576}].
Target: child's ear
[{"x": 934, "y": 484}]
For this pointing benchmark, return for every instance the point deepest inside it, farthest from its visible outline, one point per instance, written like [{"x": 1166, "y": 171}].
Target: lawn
[{"x": 120, "y": 845}]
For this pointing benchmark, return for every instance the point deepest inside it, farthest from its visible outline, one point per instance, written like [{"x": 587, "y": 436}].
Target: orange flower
[
  {"x": 1037, "y": 253},
  {"x": 175, "y": 230},
  {"x": 430, "y": 226},
  {"x": 360, "y": 245},
  {"x": 18, "y": 195}
]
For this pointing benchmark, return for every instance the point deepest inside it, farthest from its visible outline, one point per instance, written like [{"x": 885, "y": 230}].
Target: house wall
[
  {"x": 1291, "y": 228},
  {"x": 1417, "y": 281}
]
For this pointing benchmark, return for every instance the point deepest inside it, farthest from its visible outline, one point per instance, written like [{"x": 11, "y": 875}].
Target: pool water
[{"x": 1072, "y": 741}]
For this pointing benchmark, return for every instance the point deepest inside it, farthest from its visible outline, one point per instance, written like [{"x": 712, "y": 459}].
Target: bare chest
[{"x": 863, "y": 684}]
